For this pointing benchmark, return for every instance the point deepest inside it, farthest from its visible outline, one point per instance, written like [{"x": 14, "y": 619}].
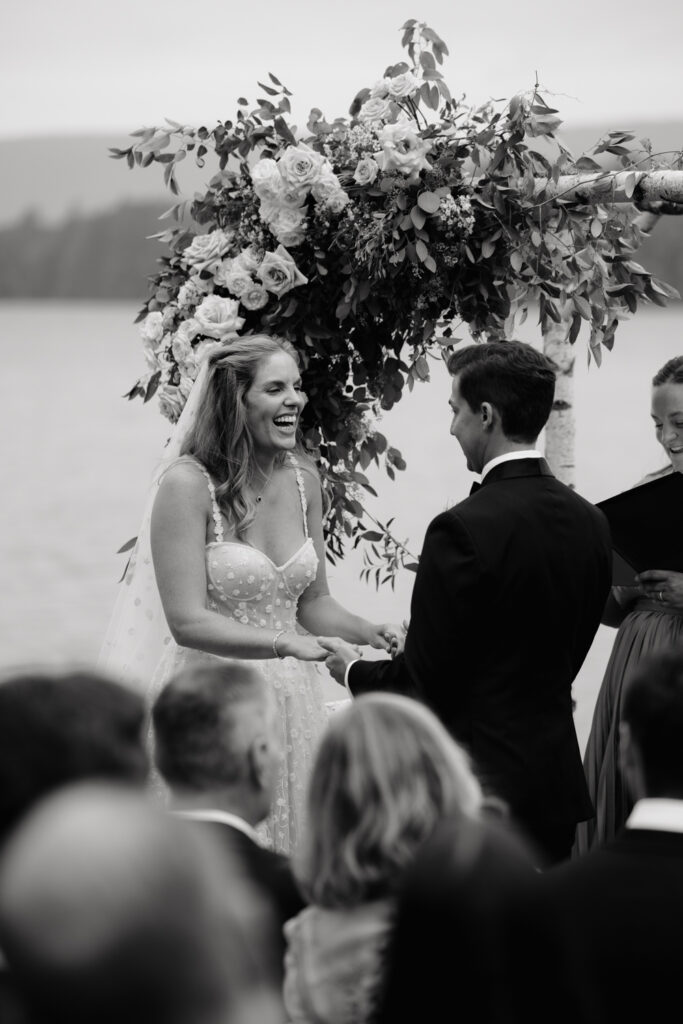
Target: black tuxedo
[
  {"x": 507, "y": 599},
  {"x": 269, "y": 871},
  {"x": 610, "y": 935}
]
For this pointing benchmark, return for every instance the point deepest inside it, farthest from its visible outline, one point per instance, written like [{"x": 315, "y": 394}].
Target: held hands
[
  {"x": 306, "y": 647},
  {"x": 662, "y": 585},
  {"x": 388, "y": 637},
  {"x": 339, "y": 655}
]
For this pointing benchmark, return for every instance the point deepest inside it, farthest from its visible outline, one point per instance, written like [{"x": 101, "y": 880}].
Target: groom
[{"x": 506, "y": 602}]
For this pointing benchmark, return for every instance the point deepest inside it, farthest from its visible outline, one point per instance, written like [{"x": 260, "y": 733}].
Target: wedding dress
[{"x": 244, "y": 584}]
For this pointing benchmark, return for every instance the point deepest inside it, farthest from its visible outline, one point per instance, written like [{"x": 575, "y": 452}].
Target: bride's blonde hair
[
  {"x": 219, "y": 437},
  {"x": 386, "y": 773}
]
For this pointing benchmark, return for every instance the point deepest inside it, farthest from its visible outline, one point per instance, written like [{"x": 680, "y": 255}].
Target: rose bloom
[
  {"x": 300, "y": 166},
  {"x": 375, "y": 109},
  {"x": 265, "y": 177},
  {"x": 279, "y": 272},
  {"x": 291, "y": 195},
  {"x": 337, "y": 201},
  {"x": 217, "y": 317},
  {"x": 205, "y": 251},
  {"x": 152, "y": 327},
  {"x": 171, "y": 401},
  {"x": 380, "y": 89},
  {"x": 238, "y": 280},
  {"x": 403, "y": 149},
  {"x": 254, "y": 297},
  {"x": 403, "y": 85},
  {"x": 289, "y": 227},
  {"x": 326, "y": 186},
  {"x": 248, "y": 260},
  {"x": 366, "y": 171}
]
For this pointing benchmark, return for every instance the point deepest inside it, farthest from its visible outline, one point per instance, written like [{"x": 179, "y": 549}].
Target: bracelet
[{"x": 275, "y": 640}]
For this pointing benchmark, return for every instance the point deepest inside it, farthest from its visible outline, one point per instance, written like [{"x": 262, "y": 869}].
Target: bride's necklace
[{"x": 258, "y": 498}]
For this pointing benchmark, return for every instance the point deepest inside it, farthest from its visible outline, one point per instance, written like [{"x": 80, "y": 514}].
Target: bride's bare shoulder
[{"x": 185, "y": 479}]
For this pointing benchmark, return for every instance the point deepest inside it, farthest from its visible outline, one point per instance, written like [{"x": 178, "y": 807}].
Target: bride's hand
[
  {"x": 305, "y": 647},
  {"x": 388, "y": 637}
]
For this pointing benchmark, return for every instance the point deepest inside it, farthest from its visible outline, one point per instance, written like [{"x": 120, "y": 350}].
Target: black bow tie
[{"x": 475, "y": 487}]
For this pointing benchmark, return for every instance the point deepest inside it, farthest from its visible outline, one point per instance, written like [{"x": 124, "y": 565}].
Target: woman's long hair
[
  {"x": 219, "y": 437},
  {"x": 386, "y": 772}
]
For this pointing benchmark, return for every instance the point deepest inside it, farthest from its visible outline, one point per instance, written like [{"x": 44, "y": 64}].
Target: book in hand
[{"x": 647, "y": 528}]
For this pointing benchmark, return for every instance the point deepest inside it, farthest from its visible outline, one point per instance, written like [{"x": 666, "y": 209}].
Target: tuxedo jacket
[
  {"x": 507, "y": 599},
  {"x": 609, "y": 946},
  {"x": 270, "y": 872}
]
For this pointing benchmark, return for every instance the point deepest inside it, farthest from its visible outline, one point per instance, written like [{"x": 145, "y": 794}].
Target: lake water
[{"x": 77, "y": 458}]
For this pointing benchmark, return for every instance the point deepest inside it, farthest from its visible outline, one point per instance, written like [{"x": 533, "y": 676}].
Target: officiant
[{"x": 648, "y": 612}]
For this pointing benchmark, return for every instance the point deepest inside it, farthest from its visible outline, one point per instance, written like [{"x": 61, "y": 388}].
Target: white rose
[
  {"x": 255, "y": 297},
  {"x": 152, "y": 328},
  {"x": 326, "y": 186},
  {"x": 181, "y": 347},
  {"x": 205, "y": 251},
  {"x": 265, "y": 177},
  {"x": 185, "y": 385},
  {"x": 217, "y": 317},
  {"x": 171, "y": 401},
  {"x": 380, "y": 89},
  {"x": 289, "y": 227},
  {"x": 376, "y": 109},
  {"x": 279, "y": 272},
  {"x": 403, "y": 85},
  {"x": 220, "y": 273},
  {"x": 168, "y": 315},
  {"x": 237, "y": 280},
  {"x": 291, "y": 195},
  {"x": 366, "y": 171},
  {"x": 249, "y": 260},
  {"x": 300, "y": 166},
  {"x": 403, "y": 149},
  {"x": 337, "y": 201},
  {"x": 269, "y": 210}
]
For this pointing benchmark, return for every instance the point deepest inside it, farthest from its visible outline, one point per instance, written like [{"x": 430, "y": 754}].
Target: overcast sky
[{"x": 73, "y": 66}]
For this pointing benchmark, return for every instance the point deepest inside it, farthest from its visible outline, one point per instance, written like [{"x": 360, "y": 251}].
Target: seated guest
[
  {"x": 112, "y": 912},
  {"x": 458, "y": 916},
  {"x": 57, "y": 728},
  {"x": 386, "y": 772},
  {"x": 614, "y": 912},
  {"x": 217, "y": 748}
]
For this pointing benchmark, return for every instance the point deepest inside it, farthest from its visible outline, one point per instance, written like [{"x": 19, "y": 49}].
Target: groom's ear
[{"x": 486, "y": 411}]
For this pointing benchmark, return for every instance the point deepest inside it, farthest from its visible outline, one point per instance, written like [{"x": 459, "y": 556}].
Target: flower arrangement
[{"x": 366, "y": 240}]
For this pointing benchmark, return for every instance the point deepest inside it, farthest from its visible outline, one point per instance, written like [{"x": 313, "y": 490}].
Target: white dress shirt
[
  {"x": 659, "y": 814},
  {"x": 222, "y": 817}
]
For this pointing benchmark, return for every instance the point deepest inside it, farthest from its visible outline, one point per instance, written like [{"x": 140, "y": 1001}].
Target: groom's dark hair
[{"x": 513, "y": 377}]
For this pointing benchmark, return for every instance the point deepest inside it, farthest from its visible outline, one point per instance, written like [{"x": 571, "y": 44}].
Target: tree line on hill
[{"x": 109, "y": 255}]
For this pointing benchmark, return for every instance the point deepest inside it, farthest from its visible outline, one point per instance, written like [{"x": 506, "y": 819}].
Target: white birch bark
[{"x": 560, "y": 429}]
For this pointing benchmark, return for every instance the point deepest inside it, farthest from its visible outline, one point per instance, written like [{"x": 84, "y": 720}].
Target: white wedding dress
[{"x": 244, "y": 584}]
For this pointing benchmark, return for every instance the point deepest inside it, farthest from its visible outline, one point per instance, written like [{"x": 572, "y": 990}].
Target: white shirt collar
[
  {"x": 222, "y": 817},
  {"x": 532, "y": 453},
  {"x": 661, "y": 814}
]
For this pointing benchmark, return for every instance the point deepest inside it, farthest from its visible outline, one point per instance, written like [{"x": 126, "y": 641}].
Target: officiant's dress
[
  {"x": 244, "y": 584},
  {"x": 648, "y": 627}
]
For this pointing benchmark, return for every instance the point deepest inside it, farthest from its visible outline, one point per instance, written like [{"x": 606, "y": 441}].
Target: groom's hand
[{"x": 340, "y": 656}]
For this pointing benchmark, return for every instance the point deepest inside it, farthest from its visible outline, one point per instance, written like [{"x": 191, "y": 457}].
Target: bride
[{"x": 234, "y": 531}]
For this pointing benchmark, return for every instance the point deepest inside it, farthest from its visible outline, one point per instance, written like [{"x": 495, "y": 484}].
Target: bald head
[{"x": 111, "y": 911}]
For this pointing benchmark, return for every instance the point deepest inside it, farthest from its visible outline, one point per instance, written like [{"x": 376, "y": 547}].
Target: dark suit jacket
[
  {"x": 269, "y": 871},
  {"x": 610, "y": 938},
  {"x": 507, "y": 599}
]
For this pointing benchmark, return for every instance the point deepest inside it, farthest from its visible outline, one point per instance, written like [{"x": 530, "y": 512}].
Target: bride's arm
[
  {"x": 318, "y": 612},
  {"x": 178, "y": 538}
]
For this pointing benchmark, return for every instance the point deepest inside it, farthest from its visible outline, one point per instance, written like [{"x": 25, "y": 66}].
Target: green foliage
[{"x": 411, "y": 216}]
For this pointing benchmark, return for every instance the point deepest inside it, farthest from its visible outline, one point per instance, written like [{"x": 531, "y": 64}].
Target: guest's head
[
  {"x": 253, "y": 382},
  {"x": 112, "y": 911},
  {"x": 385, "y": 773},
  {"x": 651, "y": 728},
  {"x": 667, "y": 410},
  {"x": 57, "y": 728},
  {"x": 216, "y": 738},
  {"x": 501, "y": 396},
  {"x": 461, "y": 908}
]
